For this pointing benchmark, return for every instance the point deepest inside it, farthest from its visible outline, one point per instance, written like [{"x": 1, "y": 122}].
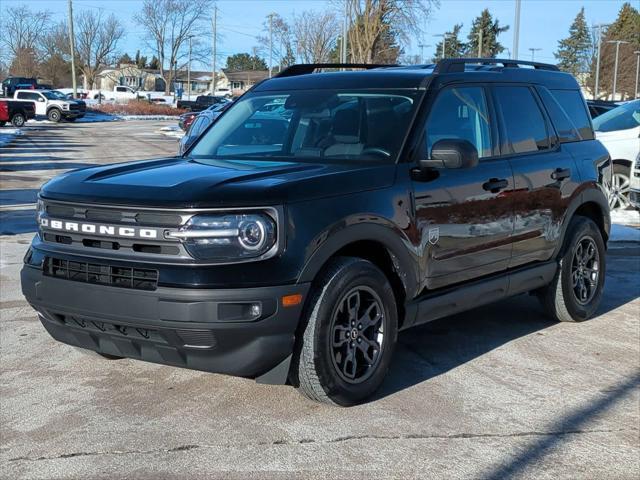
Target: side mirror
[{"x": 451, "y": 153}]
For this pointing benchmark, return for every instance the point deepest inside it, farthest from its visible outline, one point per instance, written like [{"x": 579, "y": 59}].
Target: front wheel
[
  {"x": 351, "y": 329},
  {"x": 54, "y": 115},
  {"x": 18, "y": 120},
  {"x": 620, "y": 186},
  {"x": 576, "y": 291}
]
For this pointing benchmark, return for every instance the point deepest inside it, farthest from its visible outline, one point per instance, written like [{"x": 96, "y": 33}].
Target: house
[
  {"x": 200, "y": 81},
  {"x": 241, "y": 81},
  {"x": 127, "y": 74}
]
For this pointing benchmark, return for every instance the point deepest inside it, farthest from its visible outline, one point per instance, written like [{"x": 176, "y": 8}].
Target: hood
[{"x": 184, "y": 183}]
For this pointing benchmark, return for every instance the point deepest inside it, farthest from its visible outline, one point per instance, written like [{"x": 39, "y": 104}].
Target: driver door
[{"x": 464, "y": 217}]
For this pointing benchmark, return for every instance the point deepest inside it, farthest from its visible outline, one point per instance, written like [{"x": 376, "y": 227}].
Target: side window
[
  {"x": 524, "y": 123},
  {"x": 460, "y": 113},
  {"x": 567, "y": 132},
  {"x": 572, "y": 103},
  {"x": 121, "y": 89}
]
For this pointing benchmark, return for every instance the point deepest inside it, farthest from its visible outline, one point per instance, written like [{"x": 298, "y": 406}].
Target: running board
[{"x": 433, "y": 306}]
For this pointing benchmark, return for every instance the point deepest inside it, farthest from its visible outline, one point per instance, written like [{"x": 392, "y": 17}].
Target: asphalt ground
[{"x": 496, "y": 392}]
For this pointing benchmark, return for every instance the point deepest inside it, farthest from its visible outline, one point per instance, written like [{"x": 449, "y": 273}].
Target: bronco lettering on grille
[{"x": 97, "y": 229}]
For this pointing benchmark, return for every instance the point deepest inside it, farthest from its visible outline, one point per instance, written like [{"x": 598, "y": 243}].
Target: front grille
[{"x": 101, "y": 274}]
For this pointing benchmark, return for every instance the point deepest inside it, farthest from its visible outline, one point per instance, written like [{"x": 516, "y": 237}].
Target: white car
[
  {"x": 119, "y": 92},
  {"x": 634, "y": 191},
  {"x": 619, "y": 132},
  {"x": 52, "y": 104}
]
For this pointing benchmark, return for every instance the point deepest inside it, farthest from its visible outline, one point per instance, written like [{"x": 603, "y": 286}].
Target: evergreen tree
[
  {"x": 490, "y": 29},
  {"x": 154, "y": 64},
  {"x": 124, "y": 59},
  {"x": 625, "y": 28},
  {"x": 140, "y": 61},
  {"x": 574, "y": 51},
  {"x": 245, "y": 61},
  {"x": 453, "y": 46}
]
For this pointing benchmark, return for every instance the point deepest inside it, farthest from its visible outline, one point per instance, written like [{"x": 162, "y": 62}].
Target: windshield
[
  {"x": 623, "y": 117},
  {"x": 334, "y": 125},
  {"x": 53, "y": 95}
]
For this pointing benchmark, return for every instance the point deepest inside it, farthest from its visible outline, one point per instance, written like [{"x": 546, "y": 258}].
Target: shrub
[{"x": 135, "y": 107}]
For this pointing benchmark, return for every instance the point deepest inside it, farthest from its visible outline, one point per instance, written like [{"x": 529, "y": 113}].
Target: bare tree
[
  {"x": 55, "y": 55},
  {"x": 377, "y": 25},
  {"x": 315, "y": 35},
  {"x": 169, "y": 24},
  {"x": 280, "y": 41},
  {"x": 96, "y": 42},
  {"x": 22, "y": 29}
]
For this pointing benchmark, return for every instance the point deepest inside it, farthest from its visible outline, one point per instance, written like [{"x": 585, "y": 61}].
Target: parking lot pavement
[{"x": 493, "y": 393}]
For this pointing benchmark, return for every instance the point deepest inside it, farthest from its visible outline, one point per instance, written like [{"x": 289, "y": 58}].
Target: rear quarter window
[
  {"x": 573, "y": 105},
  {"x": 567, "y": 131}
]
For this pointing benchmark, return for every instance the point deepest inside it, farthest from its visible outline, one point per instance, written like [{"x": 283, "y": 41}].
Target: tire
[
  {"x": 563, "y": 301},
  {"x": 54, "y": 115},
  {"x": 2, "y": 124},
  {"x": 620, "y": 186},
  {"x": 18, "y": 120},
  {"x": 329, "y": 363}
]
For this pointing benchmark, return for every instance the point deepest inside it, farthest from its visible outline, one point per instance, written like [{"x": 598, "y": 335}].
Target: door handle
[
  {"x": 494, "y": 185},
  {"x": 561, "y": 173}
]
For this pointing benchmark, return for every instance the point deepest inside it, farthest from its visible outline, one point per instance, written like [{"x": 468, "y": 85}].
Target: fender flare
[
  {"x": 393, "y": 240},
  {"x": 591, "y": 195}
]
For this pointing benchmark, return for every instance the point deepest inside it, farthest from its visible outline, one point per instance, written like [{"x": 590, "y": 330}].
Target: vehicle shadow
[{"x": 437, "y": 347}]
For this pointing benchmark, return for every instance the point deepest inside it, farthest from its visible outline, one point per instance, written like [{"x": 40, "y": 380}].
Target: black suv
[{"x": 324, "y": 212}]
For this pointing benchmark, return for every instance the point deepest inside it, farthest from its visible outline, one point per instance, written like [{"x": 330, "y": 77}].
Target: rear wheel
[
  {"x": 576, "y": 291},
  {"x": 350, "y": 334},
  {"x": 54, "y": 115},
  {"x": 18, "y": 120}
]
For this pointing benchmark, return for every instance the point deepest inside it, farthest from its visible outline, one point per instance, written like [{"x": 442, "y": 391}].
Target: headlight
[
  {"x": 232, "y": 236},
  {"x": 65, "y": 106}
]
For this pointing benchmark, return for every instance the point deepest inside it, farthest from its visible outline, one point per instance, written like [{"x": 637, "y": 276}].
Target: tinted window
[
  {"x": 28, "y": 96},
  {"x": 567, "y": 132},
  {"x": 623, "y": 117},
  {"x": 337, "y": 125},
  {"x": 523, "y": 121},
  {"x": 460, "y": 113},
  {"x": 572, "y": 103}
]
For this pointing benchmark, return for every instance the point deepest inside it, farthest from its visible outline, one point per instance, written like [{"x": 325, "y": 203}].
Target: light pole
[
  {"x": 637, "y": 52},
  {"x": 516, "y": 30},
  {"x": 421, "y": 47},
  {"x": 480, "y": 44},
  {"x": 533, "y": 53},
  {"x": 189, "y": 71},
  {"x": 444, "y": 42},
  {"x": 615, "y": 68},
  {"x": 598, "y": 28}
]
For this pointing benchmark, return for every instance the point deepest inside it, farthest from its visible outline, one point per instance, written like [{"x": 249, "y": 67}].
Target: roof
[
  {"x": 418, "y": 76},
  {"x": 252, "y": 76}
]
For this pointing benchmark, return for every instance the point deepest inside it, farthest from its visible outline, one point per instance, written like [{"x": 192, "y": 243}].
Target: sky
[{"x": 542, "y": 22}]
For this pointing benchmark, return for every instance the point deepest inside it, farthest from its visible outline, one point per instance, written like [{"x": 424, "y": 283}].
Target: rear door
[
  {"x": 464, "y": 217},
  {"x": 545, "y": 175}
]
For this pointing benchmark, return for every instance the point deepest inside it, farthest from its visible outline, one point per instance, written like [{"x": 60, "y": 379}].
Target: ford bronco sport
[{"x": 324, "y": 212}]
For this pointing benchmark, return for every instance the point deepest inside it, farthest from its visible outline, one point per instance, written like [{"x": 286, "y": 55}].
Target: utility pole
[
  {"x": 73, "y": 54},
  {"x": 615, "y": 68},
  {"x": 189, "y": 71},
  {"x": 444, "y": 42},
  {"x": 270, "y": 43},
  {"x": 480, "y": 44},
  {"x": 533, "y": 53},
  {"x": 345, "y": 31},
  {"x": 598, "y": 28},
  {"x": 516, "y": 30},
  {"x": 421, "y": 47},
  {"x": 637, "y": 53},
  {"x": 215, "y": 44}
]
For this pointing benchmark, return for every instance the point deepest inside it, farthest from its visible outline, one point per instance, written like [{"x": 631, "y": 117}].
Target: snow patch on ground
[
  {"x": 92, "y": 117},
  {"x": 172, "y": 131},
  {"x": 625, "y": 217},
  {"x": 8, "y": 134}
]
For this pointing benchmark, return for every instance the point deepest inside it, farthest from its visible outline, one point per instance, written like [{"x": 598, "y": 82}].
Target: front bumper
[{"x": 201, "y": 329}]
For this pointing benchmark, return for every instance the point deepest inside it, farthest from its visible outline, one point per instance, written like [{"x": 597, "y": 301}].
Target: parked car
[
  {"x": 619, "y": 131},
  {"x": 52, "y": 104},
  {"x": 291, "y": 245},
  {"x": 198, "y": 123},
  {"x": 634, "y": 190},
  {"x": 201, "y": 102},
  {"x": 119, "y": 92},
  {"x": 598, "y": 107},
  {"x": 11, "y": 84},
  {"x": 223, "y": 92},
  {"x": 68, "y": 93},
  {"x": 17, "y": 113}
]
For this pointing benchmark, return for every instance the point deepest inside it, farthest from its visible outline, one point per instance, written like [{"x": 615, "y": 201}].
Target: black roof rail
[
  {"x": 452, "y": 65},
  {"x": 306, "y": 68}
]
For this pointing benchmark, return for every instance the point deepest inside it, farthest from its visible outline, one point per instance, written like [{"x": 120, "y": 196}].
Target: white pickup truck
[
  {"x": 119, "y": 92},
  {"x": 52, "y": 104}
]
